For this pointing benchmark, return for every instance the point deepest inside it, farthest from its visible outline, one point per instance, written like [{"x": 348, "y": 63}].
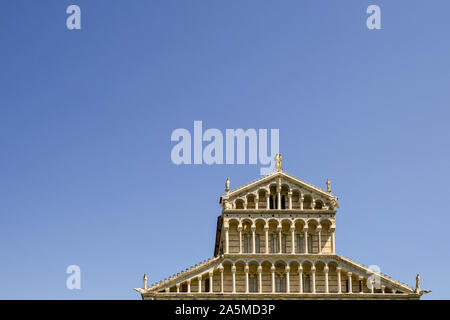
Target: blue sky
[{"x": 86, "y": 118}]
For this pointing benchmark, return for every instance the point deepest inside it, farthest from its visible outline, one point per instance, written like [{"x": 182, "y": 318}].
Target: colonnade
[
  {"x": 300, "y": 227},
  {"x": 304, "y": 269}
]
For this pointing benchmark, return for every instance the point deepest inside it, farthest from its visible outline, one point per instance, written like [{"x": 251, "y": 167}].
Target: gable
[{"x": 285, "y": 184}]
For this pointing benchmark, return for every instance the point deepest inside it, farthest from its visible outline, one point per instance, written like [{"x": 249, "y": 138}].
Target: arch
[
  {"x": 306, "y": 263},
  {"x": 300, "y": 223},
  {"x": 286, "y": 221},
  {"x": 233, "y": 220},
  {"x": 239, "y": 262},
  {"x": 296, "y": 195},
  {"x": 285, "y": 187},
  {"x": 273, "y": 220},
  {"x": 247, "y": 221},
  {"x": 279, "y": 263},
  {"x": 253, "y": 261},
  {"x": 266, "y": 262},
  {"x": 239, "y": 203},
  {"x": 296, "y": 190},
  {"x": 326, "y": 222},
  {"x": 293, "y": 261},
  {"x": 226, "y": 262},
  {"x": 313, "y": 222},
  {"x": 319, "y": 204},
  {"x": 262, "y": 191},
  {"x": 333, "y": 263},
  {"x": 320, "y": 263},
  {"x": 259, "y": 220},
  {"x": 307, "y": 201}
]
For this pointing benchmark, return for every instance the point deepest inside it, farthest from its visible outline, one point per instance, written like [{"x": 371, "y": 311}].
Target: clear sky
[{"x": 86, "y": 117}]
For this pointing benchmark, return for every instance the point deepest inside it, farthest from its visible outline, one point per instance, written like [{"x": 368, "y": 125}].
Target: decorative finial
[
  {"x": 227, "y": 185},
  {"x": 328, "y": 186},
  {"x": 417, "y": 283},
  {"x": 144, "y": 284},
  {"x": 278, "y": 159}
]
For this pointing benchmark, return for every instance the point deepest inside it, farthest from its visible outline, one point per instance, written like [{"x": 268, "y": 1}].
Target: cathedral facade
[{"x": 275, "y": 240}]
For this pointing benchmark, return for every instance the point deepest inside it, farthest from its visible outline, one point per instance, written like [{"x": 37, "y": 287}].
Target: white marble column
[
  {"x": 256, "y": 202},
  {"x": 240, "y": 238},
  {"x": 319, "y": 232},
  {"x": 268, "y": 200},
  {"x": 290, "y": 199},
  {"x": 288, "y": 287},
  {"x": 253, "y": 239},
  {"x": 233, "y": 271},
  {"x": 178, "y": 287},
  {"x": 266, "y": 230},
  {"x": 349, "y": 277},
  {"x": 199, "y": 278},
  {"x": 383, "y": 289},
  {"x": 301, "y": 202},
  {"x": 305, "y": 230},
  {"x": 313, "y": 273},
  {"x": 246, "y": 268},
  {"x": 221, "y": 278},
  {"x": 300, "y": 279},
  {"x": 259, "y": 279},
  {"x": 339, "y": 284},
  {"x": 325, "y": 270},
  {"x": 272, "y": 269},
  {"x": 279, "y": 240},
  {"x": 293, "y": 239},
  {"x": 189, "y": 286},
  {"x": 279, "y": 198},
  {"x": 211, "y": 282}
]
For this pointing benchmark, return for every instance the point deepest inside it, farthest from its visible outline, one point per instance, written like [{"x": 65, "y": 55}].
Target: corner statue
[
  {"x": 278, "y": 159},
  {"x": 144, "y": 282}
]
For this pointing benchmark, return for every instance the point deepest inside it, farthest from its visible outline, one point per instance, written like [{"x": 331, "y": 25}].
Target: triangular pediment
[{"x": 284, "y": 182}]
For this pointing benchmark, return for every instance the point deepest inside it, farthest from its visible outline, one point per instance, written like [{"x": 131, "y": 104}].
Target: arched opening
[
  {"x": 280, "y": 277},
  {"x": 310, "y": 243},
  {"x": 296, "y": 199},
  {"x": 251, "y": 202},
  {"x": 319, "y": 204},
  {"x": 253, "y": 281},
  {"x": 239, "y": 204},
  {"x": 284, "y": 196},
  {"x": 247, "y": 237},
  {"x": 283, "y": 202},
  {"x": 307, "y": 202},
  {"x": 307, "y": 283},
  {"x": 274, "y": 243},
  {"x": 273, "y": 197},
  {"x": 262, "y": 196}
]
